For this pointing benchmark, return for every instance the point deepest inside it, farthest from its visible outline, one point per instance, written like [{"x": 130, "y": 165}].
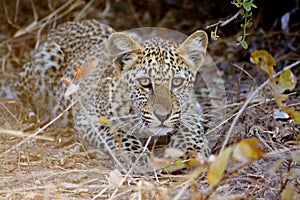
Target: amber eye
[
  {"x": 177, "y": 82},
  {"x": 145, "y": 82}
]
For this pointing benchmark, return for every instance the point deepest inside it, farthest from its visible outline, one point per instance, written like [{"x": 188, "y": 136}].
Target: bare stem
[{"x": 224, "y": 23}]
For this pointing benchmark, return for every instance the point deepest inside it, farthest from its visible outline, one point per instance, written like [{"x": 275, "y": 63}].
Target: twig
[
  {"x": 7, "y": 17},
  {"x": 22, "y": 134},
  {"x": 252, "y": 95},
  {"x": 2, "y": 104},
  {"x": 48, "y": 19},
  {"x": 35, "y": 15},
  {"x": 83, "y": 10},
  {"x": 224, "y": 23}
]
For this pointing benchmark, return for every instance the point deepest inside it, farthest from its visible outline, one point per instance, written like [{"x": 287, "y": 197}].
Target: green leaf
[
  {"x": 244, "y": 44},
  {"x": 242, "y": 12},
  {"x": 237, "y": 3},
  {"x": 240, "y": 38},
  {"x": 247, "y": 6},
  {"x": 252, "y": 5},
  {"x": 213, "y": 35},
  {"x": 177, "y": 165},
  {"x": 249, "y": 24}
]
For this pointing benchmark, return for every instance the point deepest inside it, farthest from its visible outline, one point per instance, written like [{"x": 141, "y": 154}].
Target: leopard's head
[{"x": 155, "y": 81}]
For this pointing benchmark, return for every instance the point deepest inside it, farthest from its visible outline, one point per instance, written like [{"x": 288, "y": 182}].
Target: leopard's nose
[{"x": 162, "y": 116}]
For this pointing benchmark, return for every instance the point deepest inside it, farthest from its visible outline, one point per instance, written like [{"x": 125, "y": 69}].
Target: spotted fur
[{"x": 143, "y": 88}]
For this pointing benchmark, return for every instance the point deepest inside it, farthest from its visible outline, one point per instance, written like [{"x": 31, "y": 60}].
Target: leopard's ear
[
  {"x": 193, "y": 48},
  {"x": 123, "y": 51}
]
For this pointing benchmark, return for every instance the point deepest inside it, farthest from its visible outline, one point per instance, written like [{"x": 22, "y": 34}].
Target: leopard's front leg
[
  {"x": 127, "y": 150},
  {"x": 132, "y": 153},
  {"x": 189, "y": 139}
]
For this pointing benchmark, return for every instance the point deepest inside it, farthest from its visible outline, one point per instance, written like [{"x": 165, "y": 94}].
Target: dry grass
[{"x": 51, "y": 162}]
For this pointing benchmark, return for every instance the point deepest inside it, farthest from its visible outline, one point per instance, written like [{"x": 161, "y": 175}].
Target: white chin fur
[{"x": 159, "y": 131}]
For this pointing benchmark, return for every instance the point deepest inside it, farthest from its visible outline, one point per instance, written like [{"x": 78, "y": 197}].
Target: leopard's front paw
[{"x": 134, "y": 163}]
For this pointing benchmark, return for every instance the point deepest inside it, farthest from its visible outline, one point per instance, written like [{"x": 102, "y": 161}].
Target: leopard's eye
[
  {"x": 145, "y": 82},
  {"x": 177, "y": 82}
]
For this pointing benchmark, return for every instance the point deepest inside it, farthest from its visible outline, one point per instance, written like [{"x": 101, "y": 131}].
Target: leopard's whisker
[
  {"x": 191, "y": 117},
  {"x": 142, "y": 128},
  {"x": 158, "y": 131},
  {"x": 139, "y": 123},
  {"x": 125, "y": 116},
  {"x": 122, "y": 124},
  {"x": 186, "y": 123}
]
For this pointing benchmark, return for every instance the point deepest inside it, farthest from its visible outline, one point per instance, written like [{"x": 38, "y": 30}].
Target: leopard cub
[{"x": 144, "y": 89}]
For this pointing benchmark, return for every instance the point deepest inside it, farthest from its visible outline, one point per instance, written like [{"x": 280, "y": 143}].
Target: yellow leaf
[
  {"x": 104, "y": 121},
  {"x": 177, "y": 165},
  {"x": 291, "y": 112},
  {"x": 218, "y": 167},
  {"x": 193, "y": 163},
  {"x": 286, "y": 81},
  {"x": 264, "y": 60},
  {"x": 248, "y": 148}
]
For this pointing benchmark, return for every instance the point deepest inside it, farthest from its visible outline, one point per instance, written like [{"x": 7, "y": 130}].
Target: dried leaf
[
  {"x": 296, "y": 156},
  {"x": 86, "y": 68},
  {"x": 291, "y": 112},
  {"x": 172, "y": 163},
  {"x": 66, "y": 185},
  {"x": 280, "y": 97},
  {"x": 159, "y": 163},
  {"x": 71, "y": 87},
  {"x": 289, "y": 193},
  {"x": 248, "y": 148},
  {"x": 10, "y": 167},
  {"x": 79, "y": 73},
  {"x": 69, "y": 163},
  {"x": 294, "y": 173},
  {"x": 173, "y": 153},
  {"x": 115, "y": 178},
  {"x": 218, "y": 167},
  {"x": 276, "y": 166}
]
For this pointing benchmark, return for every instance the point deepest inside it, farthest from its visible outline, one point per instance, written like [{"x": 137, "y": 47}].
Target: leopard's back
[{"x": 40, "y": 84}]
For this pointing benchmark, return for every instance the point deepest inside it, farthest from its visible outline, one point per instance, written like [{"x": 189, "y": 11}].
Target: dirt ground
[{"x": 54, "y": 162}]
